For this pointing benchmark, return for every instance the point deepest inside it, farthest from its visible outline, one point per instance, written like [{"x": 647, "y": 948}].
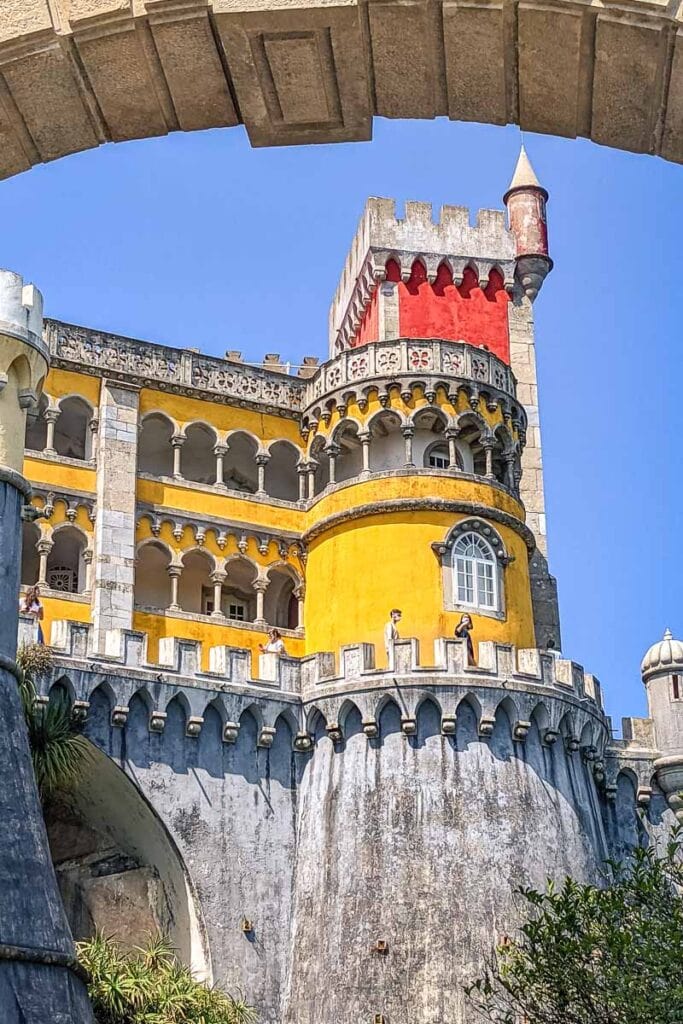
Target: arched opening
[
  {"x": 152, "y": 582},
  {"x": 387, "y": 447},
  {"x": 321, "y": 463},
  {"x": 197, "y": 459},
  {"x": 118, "y": 869},
  {"x": 238, "y": 597},
  {"x": 281, "y": 607},
  {"x": 240, "y": 472},
  {"x": 72, "y": 429},
  {"x": 155, "y": 454},
  {"x": 349, "y": 461},
  {"x": 281, "y": 472},
  {"x": 66, "y": 570},
  {"x": 195, "y": 589},
  {"x": 30, "y": 559},
  {"x": 430, "y": 445},
  {"x": 502, "y": 449},
  {"x": 470, "y": 435},
  {"x": 36, "y": 427}
]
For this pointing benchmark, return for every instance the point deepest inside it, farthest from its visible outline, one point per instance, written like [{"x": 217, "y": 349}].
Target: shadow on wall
[
  {"x": 118, "y": 869},
  {"x": 207, "y": 751}
]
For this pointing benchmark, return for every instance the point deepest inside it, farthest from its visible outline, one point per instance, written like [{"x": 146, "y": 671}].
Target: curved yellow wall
[{"x": 358, "y": 570}]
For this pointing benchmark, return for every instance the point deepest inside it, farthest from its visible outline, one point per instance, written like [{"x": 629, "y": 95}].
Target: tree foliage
[
  {"x": 58, "y": 751},
  {"x": 150, "y": 986},
  {"x": 590, "y": 955}
]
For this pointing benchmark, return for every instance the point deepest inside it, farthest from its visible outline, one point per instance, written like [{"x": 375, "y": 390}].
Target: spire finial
[
  {"x": 524, "y": 176},
  {"x": 668, "y": 635}
]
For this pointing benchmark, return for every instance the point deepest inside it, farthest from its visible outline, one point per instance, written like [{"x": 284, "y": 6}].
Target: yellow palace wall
[{"x": 356, "y": 570}]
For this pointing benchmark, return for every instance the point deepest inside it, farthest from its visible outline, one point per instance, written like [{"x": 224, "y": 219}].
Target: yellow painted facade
[{"x": 361, "y": 560}]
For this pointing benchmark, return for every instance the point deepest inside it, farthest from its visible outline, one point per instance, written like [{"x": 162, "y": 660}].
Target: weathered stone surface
[{"x": 81, "y": 72}]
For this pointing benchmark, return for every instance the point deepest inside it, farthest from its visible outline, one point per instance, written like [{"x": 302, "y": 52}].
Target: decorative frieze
[
  {"x": 432, "y": 362},
  {"x": 168, "y": 369}
]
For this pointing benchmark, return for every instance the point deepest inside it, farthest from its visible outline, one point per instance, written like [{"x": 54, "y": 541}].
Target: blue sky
[{"x": 199, "y": 240}]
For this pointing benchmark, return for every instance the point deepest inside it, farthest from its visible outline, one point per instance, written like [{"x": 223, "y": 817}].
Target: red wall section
[
  {"x": 465, "y": 313},
  {"x": 369, "y": 325}
]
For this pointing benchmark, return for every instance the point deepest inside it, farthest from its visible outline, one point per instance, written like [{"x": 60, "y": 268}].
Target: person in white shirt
[
  {"x": 275, "y": 645},
  {"x": 391, "y": 630}
]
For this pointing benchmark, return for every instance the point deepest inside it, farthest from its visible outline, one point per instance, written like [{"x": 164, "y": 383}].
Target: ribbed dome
[{"x": 665, "y": 656}]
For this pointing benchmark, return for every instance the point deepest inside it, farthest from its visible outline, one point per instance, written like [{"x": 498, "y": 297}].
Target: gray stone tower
[
  {"x": 662, "y": 671},
  {"x": 37, "y": 980}
]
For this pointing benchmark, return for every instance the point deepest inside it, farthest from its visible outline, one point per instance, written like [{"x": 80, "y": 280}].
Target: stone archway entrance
[
  {"x": 77, "y": 73},
  {"x": 119, "y": 871}
]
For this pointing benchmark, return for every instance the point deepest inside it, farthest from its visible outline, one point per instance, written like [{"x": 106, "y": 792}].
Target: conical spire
[{"x": 524, "y": 176}]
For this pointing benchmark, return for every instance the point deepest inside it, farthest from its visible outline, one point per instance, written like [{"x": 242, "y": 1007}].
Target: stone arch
[
  {"x": 401, "y": 73},
  {"x": 473, "y": 431},
  {"x": 152, "y": 582},
  {"x": 238, "y": 594},
  {"x": 197, "y": 458},
  {"x": 430, "y": 444},
  {"x": 349, "y": 717},
  {"x": 72, "y": 436},
  {"x": 195, "y": 588},
  {"x": 108, "y": 814},
  {"x": 62, "y": 689},
  {"x": 239, "y": 465},
  {"x": 467, "y": 718},
  {"x": 66, "y": 566},
  {"x": 388, "y": 717},
  {"x": 155, "y": 454},
  {"x": 320, "y": 460},
  {"x": 36, "y": 426},
  {"x": 349, "y": 461},
  {"x": 387, "y": 447},
  {"x": 428, "y": 718},
  {"x": 281, "y": 477},
  {"x": 281, "y": 605}
]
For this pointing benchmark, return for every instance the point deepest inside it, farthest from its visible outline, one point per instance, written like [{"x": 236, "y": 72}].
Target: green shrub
[
  {"x": 58, "y": 751},
  {"x": 150, "y": 986}
]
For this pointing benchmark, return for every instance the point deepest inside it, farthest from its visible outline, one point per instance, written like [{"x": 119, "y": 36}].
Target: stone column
[
  {"x": 112, "y": 599},
  {"x": 261, "y": 463},
  {"x": 220, "y": 451},
  {"x": 218, "y": 578},
  {"x": 88, "y": 560},
  {"x": 302, "y": 471},
  {"x": 51, "y": 417},
  {"x": 364, "y": 438},
  {"x": 260, "y": 586},
  {"x": 452, "y": 449},
  {"x": 408, "y": 435},
  {"x": 44, "y": 547},
  {"x": 177, "y": 442},
  {"x": 488, "y": 445},
  {"x": 333, "y": 451},
  {"x": 37, "y": 980},
  {"x": 311, "y": 480},
  {"x": 174, "y": 572},
  {"x": 93, "y": 427},
  {"x": 300, "y": 593}
]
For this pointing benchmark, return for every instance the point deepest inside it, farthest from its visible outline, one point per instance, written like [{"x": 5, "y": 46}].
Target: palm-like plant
[
  {"x": 151, "y": 986},
  {"x": 58, "y": 751}
]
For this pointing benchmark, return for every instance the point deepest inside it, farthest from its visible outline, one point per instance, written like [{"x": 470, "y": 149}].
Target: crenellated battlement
[
  {"x": 381, "y": 234},
  {"x": 525, "y": 679}
]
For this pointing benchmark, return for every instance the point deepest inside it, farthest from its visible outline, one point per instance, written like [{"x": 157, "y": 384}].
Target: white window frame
[
  {"x": 475, "y": 573},
  {"x": 443, "y": 457},
  {"x": 238, "y": 606}
]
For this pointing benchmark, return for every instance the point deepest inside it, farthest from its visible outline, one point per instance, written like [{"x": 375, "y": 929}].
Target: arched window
[
  {"x": 65, "y": 563},
  {"x": 475, "y": 572},
  {"x": 437, "y": 457}
]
